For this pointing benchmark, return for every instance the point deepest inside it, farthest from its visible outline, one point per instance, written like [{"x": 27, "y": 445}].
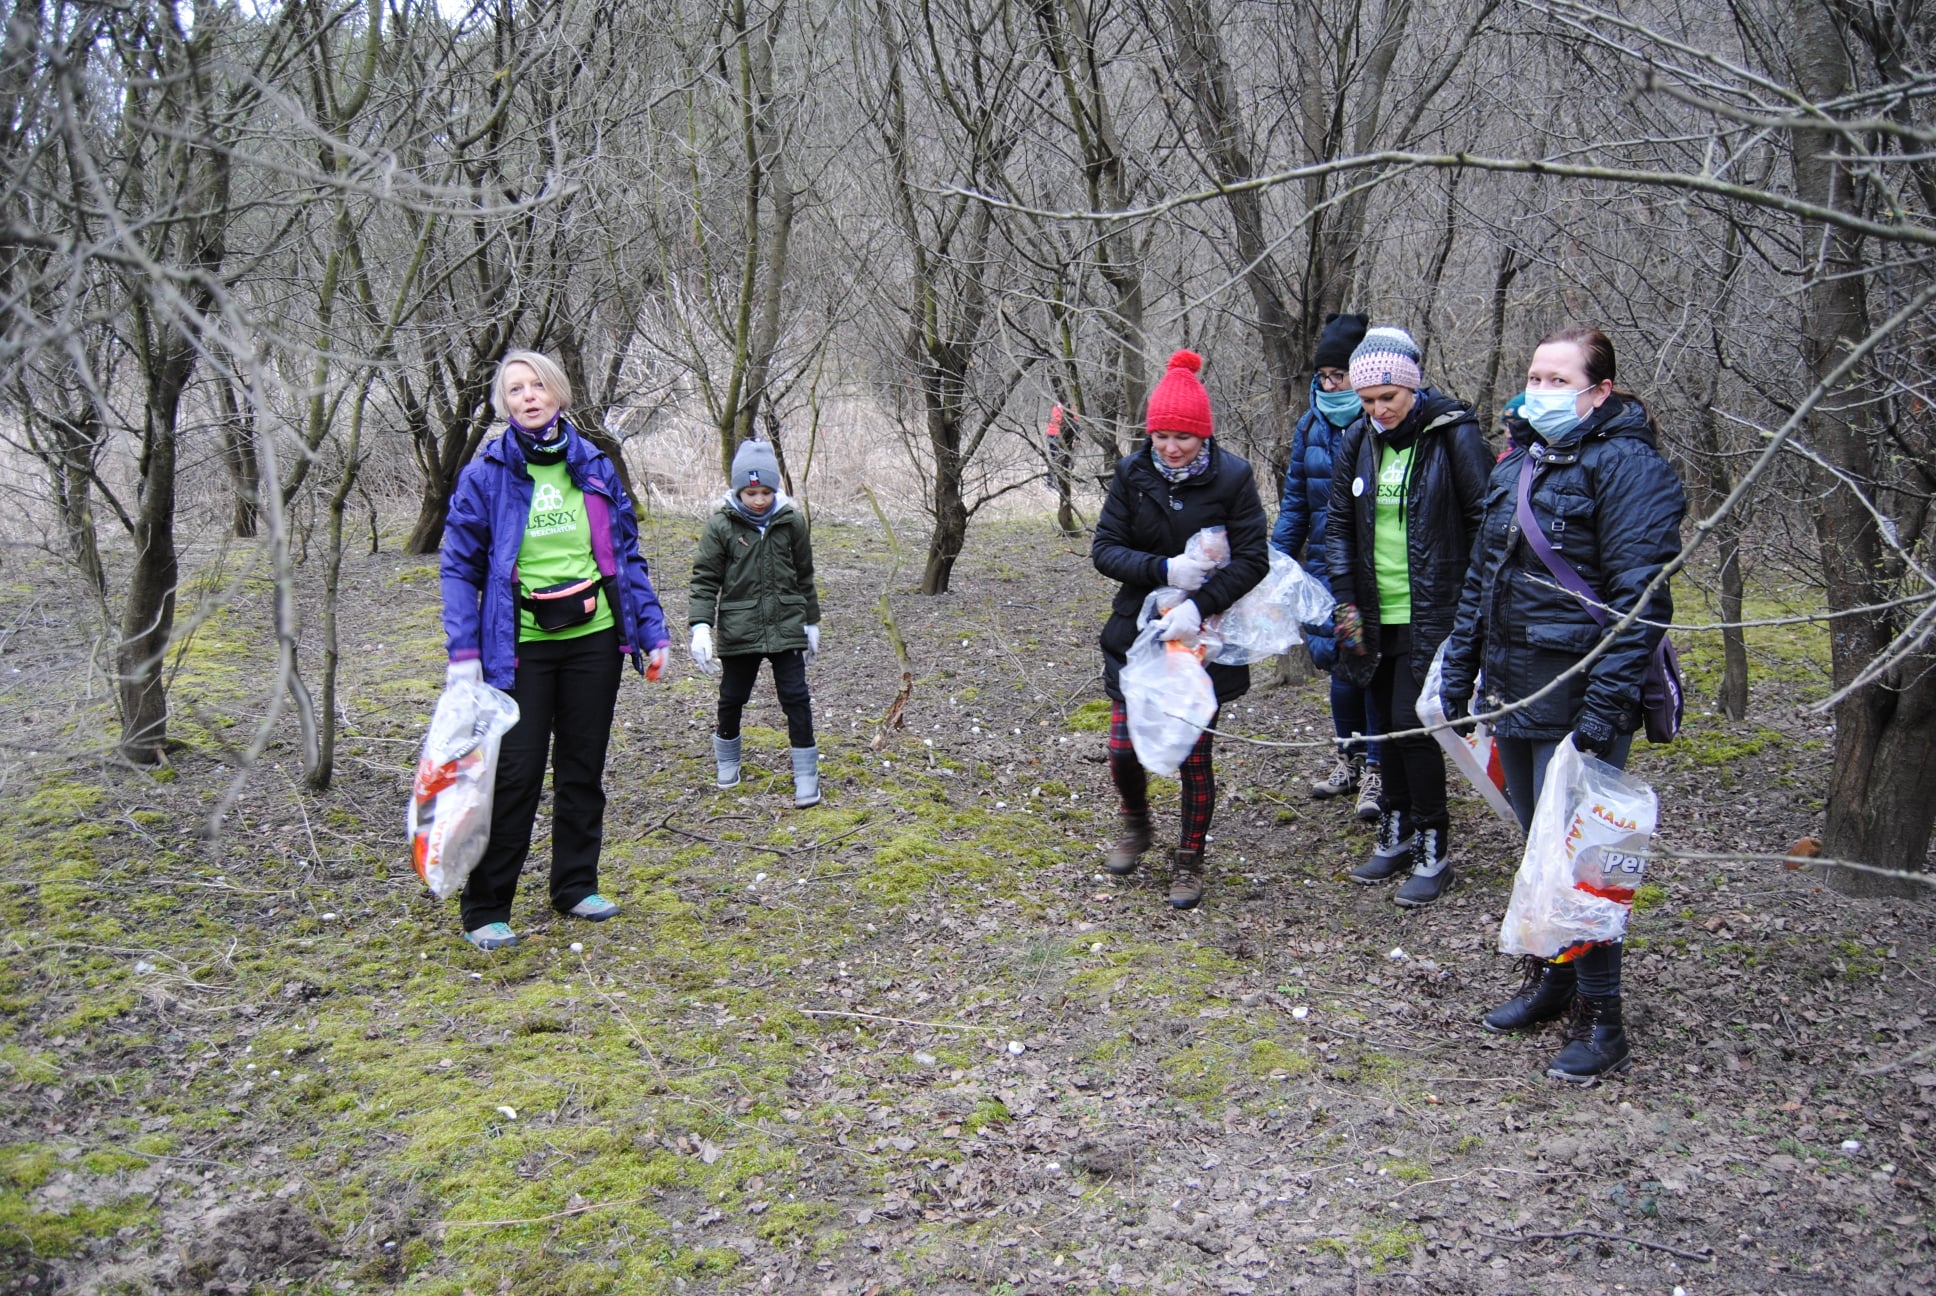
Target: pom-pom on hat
[
  {"x": 754, "y": 465},
  {"x": 1335, "y": 341},
  {"x": 1386, "y": 358},
  {"x": 1178, "y": 403}
]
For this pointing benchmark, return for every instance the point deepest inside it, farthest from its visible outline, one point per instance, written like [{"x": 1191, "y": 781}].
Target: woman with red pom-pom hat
[{"x": 1180, "y": 482}]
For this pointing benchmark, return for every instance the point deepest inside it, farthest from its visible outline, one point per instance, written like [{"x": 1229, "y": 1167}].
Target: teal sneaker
[
  {"x": 595, "y": 907},
  {"x": 492, "y": 936}
]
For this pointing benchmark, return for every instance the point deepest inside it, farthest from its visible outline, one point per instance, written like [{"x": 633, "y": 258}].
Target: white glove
[
  {"x": 1181, "y": 622},
  {"x": 1186, "y": 573},
  {"x": 469, "y": 671},
  {"x": 702, "y": 650},
  {"x": 813, "y": 643}
]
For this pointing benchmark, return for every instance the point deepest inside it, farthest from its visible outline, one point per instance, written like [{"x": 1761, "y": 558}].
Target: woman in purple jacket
[{"x": 545, "y": 596}]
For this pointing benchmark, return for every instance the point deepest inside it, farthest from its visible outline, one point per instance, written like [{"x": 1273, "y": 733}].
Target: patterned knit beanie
[
  {"x": 1179, "y": 403},
  {"x": 1386, "y": 358},
  {"x": 754, "y": 465}
]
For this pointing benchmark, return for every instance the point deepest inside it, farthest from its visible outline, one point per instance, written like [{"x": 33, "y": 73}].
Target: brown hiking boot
[
  {"x": 1133, "y": 840},
  {"x": 1186, "y": 879}
]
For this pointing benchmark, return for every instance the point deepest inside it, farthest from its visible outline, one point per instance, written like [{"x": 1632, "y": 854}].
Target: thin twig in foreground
[{"x": 1695, "y": 1256}]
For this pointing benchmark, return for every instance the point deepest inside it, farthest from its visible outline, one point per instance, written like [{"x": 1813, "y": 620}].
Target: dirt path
[{"x": 910, "y": 1040}]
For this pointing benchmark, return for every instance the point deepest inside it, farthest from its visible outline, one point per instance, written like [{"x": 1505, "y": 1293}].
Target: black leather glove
[{"x": 1592, "y": 736}]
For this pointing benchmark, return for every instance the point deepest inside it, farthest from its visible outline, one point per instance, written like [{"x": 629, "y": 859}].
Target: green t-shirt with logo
[
  {"x": 1388, "y": 550},
  {"x": 557, "y": 548}
]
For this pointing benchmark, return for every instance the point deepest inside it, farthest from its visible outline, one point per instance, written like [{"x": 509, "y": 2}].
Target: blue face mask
[
  {"x": 1552, "y": 412},
  {"x": 1340, "y": 409}
]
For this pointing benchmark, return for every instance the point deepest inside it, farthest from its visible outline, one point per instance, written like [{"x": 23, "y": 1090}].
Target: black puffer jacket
[
  {"x": 1147, "y": 520},
  {"x": 1443, "y": 497},
  {"x": 1611, "y": 506}
]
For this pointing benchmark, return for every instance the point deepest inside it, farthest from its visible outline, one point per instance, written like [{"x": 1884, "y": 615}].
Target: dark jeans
[
  {"x": 1414, "y": 768},
  {"x": 569, "y": 688},
  {"x": 736, "y": 676},
  {"x": 1354, "y": 712},
  {"x": 1524, "y": 761}
]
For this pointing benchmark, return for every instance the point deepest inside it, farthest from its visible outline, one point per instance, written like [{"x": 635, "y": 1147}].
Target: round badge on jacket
[{"x": 1357, "y": 485}]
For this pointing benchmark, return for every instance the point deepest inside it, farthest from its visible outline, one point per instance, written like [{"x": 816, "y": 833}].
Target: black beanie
[{"x": 1338, "y": 339}]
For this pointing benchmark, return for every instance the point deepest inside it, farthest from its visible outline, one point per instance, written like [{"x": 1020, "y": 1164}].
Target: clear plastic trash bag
[
  {"x": 1168, "y": 698},
  {"x": 1265, "y": 622},
  {"x": 450, "y": 798},
  {"x": 1585, "y": 855},
  {"x": 1472, "y": 749}
]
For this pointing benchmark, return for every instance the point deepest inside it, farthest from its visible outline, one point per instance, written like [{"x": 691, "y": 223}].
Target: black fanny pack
[{"x": 564, "y": 605}]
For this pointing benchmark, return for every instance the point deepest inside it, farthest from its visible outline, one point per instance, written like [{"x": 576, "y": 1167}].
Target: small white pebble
[
  {"x": 1397, "y": 955},
  {"x": 1300, "y": 1013},
  {"x": 1017, "y": 1047},
  {"x": 329, "y": 917},
  {"x": 759, "y": 877},
  {"x": 578, "y": 947},
  {"x": 1001, "y": 805}
]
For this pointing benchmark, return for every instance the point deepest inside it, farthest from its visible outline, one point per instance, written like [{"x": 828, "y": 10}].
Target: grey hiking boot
[
  {"x": 492, "y": 936},
  {"x": 1186, "y": 879},
  {"x": 1431, "y": 870},
  {"x": 726, "y": 757},
  {"x": 594, "y": 907},
  {"x": 1370, "y": 788},
  {"x": 1127, "y": 853},
  {"x": 1342, "y": 779},
  {"x": 1392, "y": 856},
  {"x": 806, "y": 777}
]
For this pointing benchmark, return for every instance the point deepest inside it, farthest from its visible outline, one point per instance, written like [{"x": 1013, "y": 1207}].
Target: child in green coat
[{"x": 753, "y": 600}]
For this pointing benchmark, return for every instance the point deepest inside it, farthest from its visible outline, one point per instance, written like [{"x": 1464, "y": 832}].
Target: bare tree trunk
[
  {"x": 1205, "y": 77},
  {"x": 240, "y": 459},
  {"x": 1879, "y": 807}
]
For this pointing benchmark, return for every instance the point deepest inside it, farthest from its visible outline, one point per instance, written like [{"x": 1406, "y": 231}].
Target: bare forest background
[{"x": 258, "y": 262}]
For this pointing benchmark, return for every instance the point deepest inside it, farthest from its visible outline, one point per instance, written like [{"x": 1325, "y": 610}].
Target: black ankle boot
[
  {"x": 1545, "y": 993},
  {"x": 1595, "y": 1043}
]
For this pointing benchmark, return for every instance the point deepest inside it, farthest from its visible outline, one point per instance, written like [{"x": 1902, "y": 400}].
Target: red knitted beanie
[{"x": 1179, "y": 403}]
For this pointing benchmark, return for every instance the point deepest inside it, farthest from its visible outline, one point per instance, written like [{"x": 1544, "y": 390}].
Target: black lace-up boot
[
  {"x": 1595, "y": 1043},
  {"x": 1545, "y": 992}
]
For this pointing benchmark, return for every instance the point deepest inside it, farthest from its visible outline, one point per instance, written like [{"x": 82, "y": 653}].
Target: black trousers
[
  {"x": 736, "y": 676},
  {"x": 1414, "y": 767},
  {"x": 567, "y": 689}
]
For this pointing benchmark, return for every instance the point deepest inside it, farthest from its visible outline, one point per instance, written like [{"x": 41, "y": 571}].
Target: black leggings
[
  {"x": 1414, "y": 767},
  {"x": 736, "y": 676}
]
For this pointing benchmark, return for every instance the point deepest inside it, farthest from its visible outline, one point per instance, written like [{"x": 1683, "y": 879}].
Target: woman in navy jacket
[
  {"x": 545, "y": 596},
  {"x": 1611, "y": 506},
  {"x": 1178, "y": 484},
  {"x": 1300, "y": 534}
]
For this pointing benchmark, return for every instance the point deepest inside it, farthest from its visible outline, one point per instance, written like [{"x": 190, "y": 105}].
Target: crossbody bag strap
[{"x": 1536, "y": 540}]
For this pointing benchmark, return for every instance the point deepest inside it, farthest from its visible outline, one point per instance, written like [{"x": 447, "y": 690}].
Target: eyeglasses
[{"x": 1333, "y": 380}]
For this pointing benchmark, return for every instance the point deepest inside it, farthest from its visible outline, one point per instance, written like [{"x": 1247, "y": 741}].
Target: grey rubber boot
[
  {"x": 726, "y": 753},
  {"x": 806, "y": 776}
]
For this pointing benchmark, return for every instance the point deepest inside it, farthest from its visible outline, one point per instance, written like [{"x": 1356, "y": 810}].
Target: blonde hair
[{"x": 549, "y": 373}]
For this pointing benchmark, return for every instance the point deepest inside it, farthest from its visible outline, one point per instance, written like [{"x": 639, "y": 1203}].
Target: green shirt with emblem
[
  {"x": 557, "y": 548},
  {"x": 1389, "y": 554}
]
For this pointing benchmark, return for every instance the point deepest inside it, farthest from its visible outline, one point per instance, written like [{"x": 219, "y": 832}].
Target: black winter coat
[
  {"x": 1147, "y": 520},
  {"x": 1611, "y": 506},
  {"x": 1443, "y": 499}
]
